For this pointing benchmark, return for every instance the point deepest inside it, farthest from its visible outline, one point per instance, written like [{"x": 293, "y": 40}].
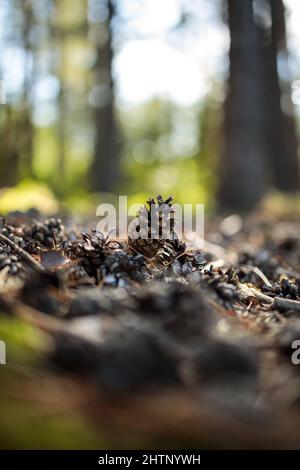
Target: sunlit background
[{"x": 161, "y": 64}]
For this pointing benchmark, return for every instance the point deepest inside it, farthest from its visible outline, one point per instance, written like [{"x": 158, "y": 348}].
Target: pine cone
[
  {"x": 103, "y": 260},
  {"x": 8, "y": 259},
  {"x": 45, "y": 234},
  {"x": 90, "y": 249},
  {"x": 156, "y": 237}
]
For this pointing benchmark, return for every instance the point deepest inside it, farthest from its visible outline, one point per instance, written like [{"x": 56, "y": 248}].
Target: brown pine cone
[
  {"x": 45, "y": 234},
  {"x": 148, "y": 237}
]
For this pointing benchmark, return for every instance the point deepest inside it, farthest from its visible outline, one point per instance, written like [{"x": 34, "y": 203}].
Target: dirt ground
[{"x": 181, "y": 348}]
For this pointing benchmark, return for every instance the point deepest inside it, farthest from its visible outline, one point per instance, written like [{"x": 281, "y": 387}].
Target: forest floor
[{"x": 109, "y": 348}]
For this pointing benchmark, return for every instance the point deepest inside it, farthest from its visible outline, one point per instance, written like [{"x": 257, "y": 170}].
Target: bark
[
  {"x": 17, "y": 130},
  {"x": 104, "y": 172},
  {"x": 26, "y": 139},
  {"x": 9, "y": 149},
  {"x": 243, "y": 166},
  {"x": 62, "y": 106},
  {"x": 281, "y": 129}
]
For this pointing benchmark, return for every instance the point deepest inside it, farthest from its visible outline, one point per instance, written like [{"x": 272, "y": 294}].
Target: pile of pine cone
[{"x": 92, "y": 255}]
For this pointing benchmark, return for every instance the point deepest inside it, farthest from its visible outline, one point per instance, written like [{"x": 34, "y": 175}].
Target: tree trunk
[
  {"x": 104, "y": 172},
  {"x": 26, "y": 131},
  {"x": 243, "y": 166},
  {"x": 17, "y": 130},
  {"x": 281, "y": 129},
  {"x": 9, "y": 149}
]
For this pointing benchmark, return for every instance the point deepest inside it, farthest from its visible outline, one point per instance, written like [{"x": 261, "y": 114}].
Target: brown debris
[{"x": 147, "y": 319}]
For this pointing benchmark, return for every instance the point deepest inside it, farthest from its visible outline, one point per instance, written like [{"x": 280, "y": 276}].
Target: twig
[
  {"x": 217, "y": 264},
  {"x": 150, "y": 260},
  {"x": 262, "y": 276},
  {"x": 22, "y": 253},
  {"x": 248, "y": 294},
  {"x": 172, "y": 260},
  {"x": 261, "y": 296},
  {"x": 286, "y": 304},
  {"x": 217, "y": 306}
]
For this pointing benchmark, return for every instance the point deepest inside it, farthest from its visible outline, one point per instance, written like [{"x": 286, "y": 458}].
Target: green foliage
[
  {"x": 32, "y": 426},
  {"x": 31, "y": 417},
  {"x": 168, "y": 151},
  {"x": 27, "y": 195},
  {"x": 164, "y": 148},
  {"x": 22, "y": 341}
]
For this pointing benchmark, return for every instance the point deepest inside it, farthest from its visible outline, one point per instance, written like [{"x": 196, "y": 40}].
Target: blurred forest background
[{"x": 195, "y": 98}]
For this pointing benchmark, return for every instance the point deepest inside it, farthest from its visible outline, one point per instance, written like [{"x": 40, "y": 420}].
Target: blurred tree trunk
[
  {"x": 26, "y": 130},
  {"x": 60, "y": 33},
  {"x": 17, "y": 130},
  {"x": 243, "y": 166},
  {"x": 62, "y": 106},
  {"x": 9, "y": 148},
  {"x": 104, "y": 173},
  {"x": 281, "y": 129}
]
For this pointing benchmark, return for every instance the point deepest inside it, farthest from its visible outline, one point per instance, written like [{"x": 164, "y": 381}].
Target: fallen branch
[
  {"x": 286, "y": 304},
  {"x": 249, "y": 295},
  {"x": 22, "y": 253},
  {"x": 246, "y": 295},
  {"x": 261, "y": 296}
]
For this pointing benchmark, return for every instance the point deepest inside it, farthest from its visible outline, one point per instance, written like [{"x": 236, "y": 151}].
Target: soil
[{"x": 194, "y": 350}]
